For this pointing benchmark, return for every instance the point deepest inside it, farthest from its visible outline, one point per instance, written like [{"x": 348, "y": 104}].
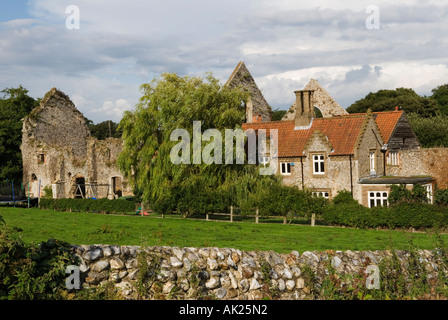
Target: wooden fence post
[
  {"x": 231, "y": 213},
  {"x": 256, "y": 216}
]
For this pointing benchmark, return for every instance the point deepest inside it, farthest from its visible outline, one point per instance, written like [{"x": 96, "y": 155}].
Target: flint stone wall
[{"x": 222, "y": 273}]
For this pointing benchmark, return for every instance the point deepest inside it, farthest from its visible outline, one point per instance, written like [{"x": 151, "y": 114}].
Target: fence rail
[{"x": 233, "y": 217}]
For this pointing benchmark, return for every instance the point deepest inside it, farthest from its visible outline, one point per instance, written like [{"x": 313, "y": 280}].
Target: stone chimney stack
[{"x": 304, "y": 108}]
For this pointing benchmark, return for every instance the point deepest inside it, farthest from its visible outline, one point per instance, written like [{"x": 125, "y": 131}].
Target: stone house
[
  {"x": 59, "y": 154},
  {"x": 362, "y": 153},
  {"x": 356, "y": 152}
]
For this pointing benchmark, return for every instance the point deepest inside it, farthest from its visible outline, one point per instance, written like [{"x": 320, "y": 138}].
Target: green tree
[
  {"x": 278, "y": 114},
  {"x": 440, "y": 95},
  {"x": 173, "y": 102},
  {"x": 104, "y": 130},
  {"x": 403, "y": 98},
  {"x": 14, "y": 105},
  {"x": 431, "y": 131}
]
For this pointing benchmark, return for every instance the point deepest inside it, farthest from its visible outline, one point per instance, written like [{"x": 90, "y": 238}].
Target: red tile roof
[
  {"x": 387, "y": 121},
  {"x": 342, "y": 132}
]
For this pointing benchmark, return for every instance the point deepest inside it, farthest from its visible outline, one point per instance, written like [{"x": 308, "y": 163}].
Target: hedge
[
  {"x": 403, "y": 215},
  {"x": 89, "y": 205}
]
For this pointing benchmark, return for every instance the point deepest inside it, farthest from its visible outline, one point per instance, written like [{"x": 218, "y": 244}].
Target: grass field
[{"x": 37, "y": 225}]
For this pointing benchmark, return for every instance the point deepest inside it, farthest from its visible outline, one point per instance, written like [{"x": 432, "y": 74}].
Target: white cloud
[
  {"x": 122, "y": 44},
  {"x": 113, "y": 109}
]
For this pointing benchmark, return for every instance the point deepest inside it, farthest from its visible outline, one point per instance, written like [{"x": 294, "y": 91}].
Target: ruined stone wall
[
  {"x": 426, "y": 161},
  {"x": 57, "y": 149},
  {"x": 321, "y": 99},
  {"x": 257, "y": 105},
  {"x": 225, "y": 273}
]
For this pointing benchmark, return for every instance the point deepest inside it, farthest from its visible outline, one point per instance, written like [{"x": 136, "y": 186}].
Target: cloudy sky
[{"x": 121, "y": 44}]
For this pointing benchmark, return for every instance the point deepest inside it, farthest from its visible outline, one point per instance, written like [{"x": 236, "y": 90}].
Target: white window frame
[
  {"x": 372, "y": 159},
  {"x": 264, "y": 161},
  {"x": 319, "y": 160},
  {"x": 379, "y": 198},
  {"x": 393, "y": 158},
  {"x": 285, "y": 168},
  {"x": 429, "y": 193},
  {"x": 324, "y": 194}
]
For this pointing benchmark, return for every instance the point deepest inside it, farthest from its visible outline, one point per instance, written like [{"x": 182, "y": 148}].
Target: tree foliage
[
  {"x": 105, "y": 129},
  {"x": 440, "y": 95},
  {"x": 404, "y": 98},
  {"x": 431, "y": 131},
  {"x": 14, "y": 105},
  {"x": 173, "y": 102},
  {"x": 278, "y": 114}
]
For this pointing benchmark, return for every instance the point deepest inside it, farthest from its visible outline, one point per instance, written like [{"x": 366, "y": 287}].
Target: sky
[{"x": 99, "y": 52}]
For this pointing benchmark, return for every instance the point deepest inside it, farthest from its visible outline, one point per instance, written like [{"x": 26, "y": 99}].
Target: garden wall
[{"x": 230, "y": 274}]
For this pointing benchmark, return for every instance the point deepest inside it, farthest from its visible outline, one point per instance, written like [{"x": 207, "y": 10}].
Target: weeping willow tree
[{"x": 171, "y": 103}]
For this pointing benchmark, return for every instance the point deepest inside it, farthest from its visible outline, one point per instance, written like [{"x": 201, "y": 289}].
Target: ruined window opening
[
  {"x": 41, "y": 158},
  {"x": 69, "y": 175},
  {"x": 117, "y": 186},
  {"x": 33, "y": 177}
]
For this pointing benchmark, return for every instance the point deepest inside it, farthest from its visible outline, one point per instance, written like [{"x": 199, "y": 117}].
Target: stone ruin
[
  {"x": 257, "y": 108},
  {"x": 62, "y": 159},
  {"x": 321, "y": 100}
]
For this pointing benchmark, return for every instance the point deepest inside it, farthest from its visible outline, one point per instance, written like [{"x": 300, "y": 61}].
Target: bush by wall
[
  {"x": 404, "y": 214},
  {"x": 32, "y": 271},
  {"x": 89, "y": 205}
]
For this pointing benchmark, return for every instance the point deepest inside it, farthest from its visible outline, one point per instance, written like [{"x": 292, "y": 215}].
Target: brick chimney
[{"x": 304, "y": 109}]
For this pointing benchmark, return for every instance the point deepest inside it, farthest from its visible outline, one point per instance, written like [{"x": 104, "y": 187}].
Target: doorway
[
  {"x": 116, "y": 187},
  {"x": 80, "y": 184}
]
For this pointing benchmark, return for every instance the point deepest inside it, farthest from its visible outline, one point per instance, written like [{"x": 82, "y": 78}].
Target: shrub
[
  {"x": 344, "y": 196},
  {"x": 441, "y": 196},
  {"x": 416, "y": 215},
  {"x": 32, "y": 271},
  {"x": 399, "y": 193},
  {"x": 88, "y": 205}
]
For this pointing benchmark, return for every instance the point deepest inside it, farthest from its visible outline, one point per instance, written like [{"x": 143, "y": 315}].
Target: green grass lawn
[{"x": 89, "y": 228}]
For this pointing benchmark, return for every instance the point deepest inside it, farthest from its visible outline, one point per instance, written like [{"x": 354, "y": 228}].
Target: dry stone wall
[{"x": 161, "y": 272}]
